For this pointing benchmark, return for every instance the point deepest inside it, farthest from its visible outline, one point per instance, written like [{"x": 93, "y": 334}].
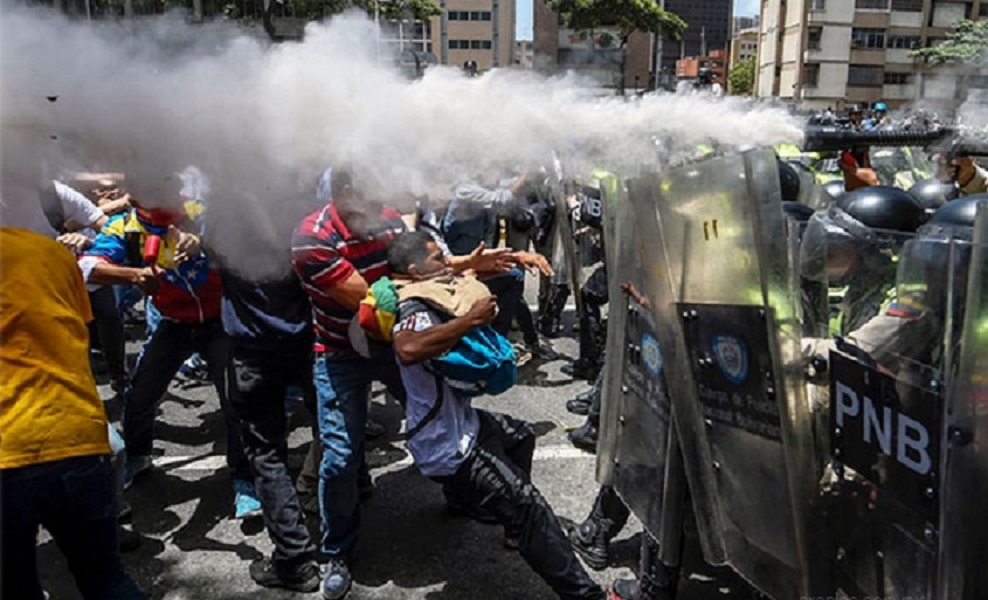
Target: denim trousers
[
  {"x": 343, "y": 383},
  {"x": 75, "y": 500},
  {"x": 258, "y": 384},
  {"x": 170, "y": 344}
]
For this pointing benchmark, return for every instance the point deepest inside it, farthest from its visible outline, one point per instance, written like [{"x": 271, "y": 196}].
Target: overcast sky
[{"x": 523, "y": 28}]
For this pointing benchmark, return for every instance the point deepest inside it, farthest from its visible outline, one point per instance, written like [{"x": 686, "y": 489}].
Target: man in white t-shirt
[{"x": 484, "y": 458}]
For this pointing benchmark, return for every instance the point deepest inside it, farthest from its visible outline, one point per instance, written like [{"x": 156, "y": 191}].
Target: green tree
[
  {"x": 968, "y": 43},
  {"x": 741, "y": 79},
  {"x": 386, "y": 10},
  {"x": 627, "y": 16}
]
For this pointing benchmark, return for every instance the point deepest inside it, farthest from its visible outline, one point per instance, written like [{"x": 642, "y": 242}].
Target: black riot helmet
[
  {"x": 931, "y": 193},
  {"x": 788, "y": 182},
  {"x": 834, "y": 188},
  {"x": 856, "y": 237},
  {"x": 960, "y": 212},
  {"x": 883, "y": 207}
]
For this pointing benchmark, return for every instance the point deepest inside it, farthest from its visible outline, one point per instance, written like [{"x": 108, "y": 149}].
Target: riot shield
[
  {"x": 898, "y": 501},
  {"x": 963, "y": 520},
  {"x": 720, "y": 276},
  {"x": 637, "y": 449}
]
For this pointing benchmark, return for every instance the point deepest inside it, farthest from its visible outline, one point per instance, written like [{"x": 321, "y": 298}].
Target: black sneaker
[
  {"x": 589, "y": 541},
  {"x": 336, "y": 584},
  {"x": 542, "y": 350},
  {"x": 300, "y": 576},
  {"x": 584, "y": 437}
]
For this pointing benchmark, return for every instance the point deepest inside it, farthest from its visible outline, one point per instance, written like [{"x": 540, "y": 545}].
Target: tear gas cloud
[{"x": 150, "y": 96}]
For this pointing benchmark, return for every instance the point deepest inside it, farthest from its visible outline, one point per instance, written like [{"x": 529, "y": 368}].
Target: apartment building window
[
  {"x": 908, "y": 5},
  {"x": 898, "y": 79},
  {"x": 820, "y": 5},
  {"x": 470, "y": 45},
  {"x": 811, "y": 75},
  {"x": 871, "y": 4},
  {"x": 814, "y": 36},
  {"x": 865, "y": 76},
  {"x": 904, "y": 42},
  {"x": 867, "y": 38},
  {"x": 464, "y": 15}
]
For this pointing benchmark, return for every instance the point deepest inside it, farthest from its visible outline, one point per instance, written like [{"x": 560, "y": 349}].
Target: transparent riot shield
[
  {"x": 963, "y": 521},
  {"x": 896, "y": 516},
  {"x": 719, "y": 273},
  {"x": 637, "y": 450}
]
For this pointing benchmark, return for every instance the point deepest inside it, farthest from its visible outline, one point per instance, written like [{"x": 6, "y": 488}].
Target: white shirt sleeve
[{"x": 76, "y": 207}]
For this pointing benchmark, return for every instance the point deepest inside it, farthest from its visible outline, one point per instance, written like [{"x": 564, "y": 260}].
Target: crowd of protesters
[{"x": 367, "y": 290}]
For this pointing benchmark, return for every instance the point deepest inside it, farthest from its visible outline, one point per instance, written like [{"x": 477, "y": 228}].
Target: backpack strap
[{"x": 433, "y": 412}]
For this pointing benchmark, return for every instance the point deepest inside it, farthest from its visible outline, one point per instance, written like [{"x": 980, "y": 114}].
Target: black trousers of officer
[
  {"x": 110, "y": 331},
  {"x": 497, "y": 477},
  {"x": 258, "y": 382}
]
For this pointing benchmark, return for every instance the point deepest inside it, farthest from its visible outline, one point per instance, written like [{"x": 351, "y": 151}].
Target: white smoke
[{"x": 262, "y": 121}]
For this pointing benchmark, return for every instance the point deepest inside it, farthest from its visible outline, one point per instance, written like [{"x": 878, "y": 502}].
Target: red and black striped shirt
[{"x": 325, "y": 253}]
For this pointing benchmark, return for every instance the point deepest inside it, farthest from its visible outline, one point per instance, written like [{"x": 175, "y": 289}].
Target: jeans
[
  {"x": 170, "y": 344},
  {"x": 508, "y": 288},
  {"x": 74, "y": 500},
  {"x": 258, "y": 384},
  {"x": 497, "y": 477},
  {"x": 343, "y": 382}
]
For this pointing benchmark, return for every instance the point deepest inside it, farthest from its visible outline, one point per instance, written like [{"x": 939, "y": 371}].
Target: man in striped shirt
[{"x": 338, "y": 251}]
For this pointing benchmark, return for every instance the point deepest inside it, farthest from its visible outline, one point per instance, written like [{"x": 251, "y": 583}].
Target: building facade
[
  {"x": 524, "y": 54},
  {"x": 479, "y": 30},
  {"x": 716, "y": 64},
  {"x": 595, "y": 55},
  {"x": 838, "y": 52},
  {"x": 744, "y": 46},
  {"x": 743, "y": 23},
  {"x": 709, "y": 28}
]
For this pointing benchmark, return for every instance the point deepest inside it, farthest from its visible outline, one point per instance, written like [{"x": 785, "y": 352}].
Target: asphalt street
[{"x": 410, "y": 546}]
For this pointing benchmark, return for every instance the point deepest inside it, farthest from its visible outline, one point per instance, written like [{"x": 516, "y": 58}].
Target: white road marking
[{"x": 213, "y": 462}]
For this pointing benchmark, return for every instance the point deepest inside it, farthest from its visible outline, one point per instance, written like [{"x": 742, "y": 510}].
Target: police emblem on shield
[
  {"x": 732, "y": 358},
  {"x": 651, "y": 355}
]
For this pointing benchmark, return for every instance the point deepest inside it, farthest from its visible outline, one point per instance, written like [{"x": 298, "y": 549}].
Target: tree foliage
[
  {"x": 626, "y": 15},
  {"x": 968, "y": 43},
  {"x": 741, "y": 78}
]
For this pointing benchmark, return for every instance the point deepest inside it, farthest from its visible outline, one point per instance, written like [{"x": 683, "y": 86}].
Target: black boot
[
  {"x": 656, "y": 582},
  {"x": 590, "y": 539},
  {"x": 580, "y": 405},
  {"x": 551, "y": 314},
  {"x": 584, "y": 437},
  {"x": 582, "y": 369}
]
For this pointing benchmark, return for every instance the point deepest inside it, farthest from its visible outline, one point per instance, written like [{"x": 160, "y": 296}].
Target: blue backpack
[{"x": 482, "y": 362}]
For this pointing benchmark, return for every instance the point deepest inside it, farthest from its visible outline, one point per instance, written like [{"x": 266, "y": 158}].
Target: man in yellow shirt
[{"x": 54, "y": 453}]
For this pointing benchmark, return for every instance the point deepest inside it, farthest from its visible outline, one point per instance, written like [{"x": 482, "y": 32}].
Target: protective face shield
[
  {"x": 833, "y": 244},
  {"x": 789, "y": 182}
]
